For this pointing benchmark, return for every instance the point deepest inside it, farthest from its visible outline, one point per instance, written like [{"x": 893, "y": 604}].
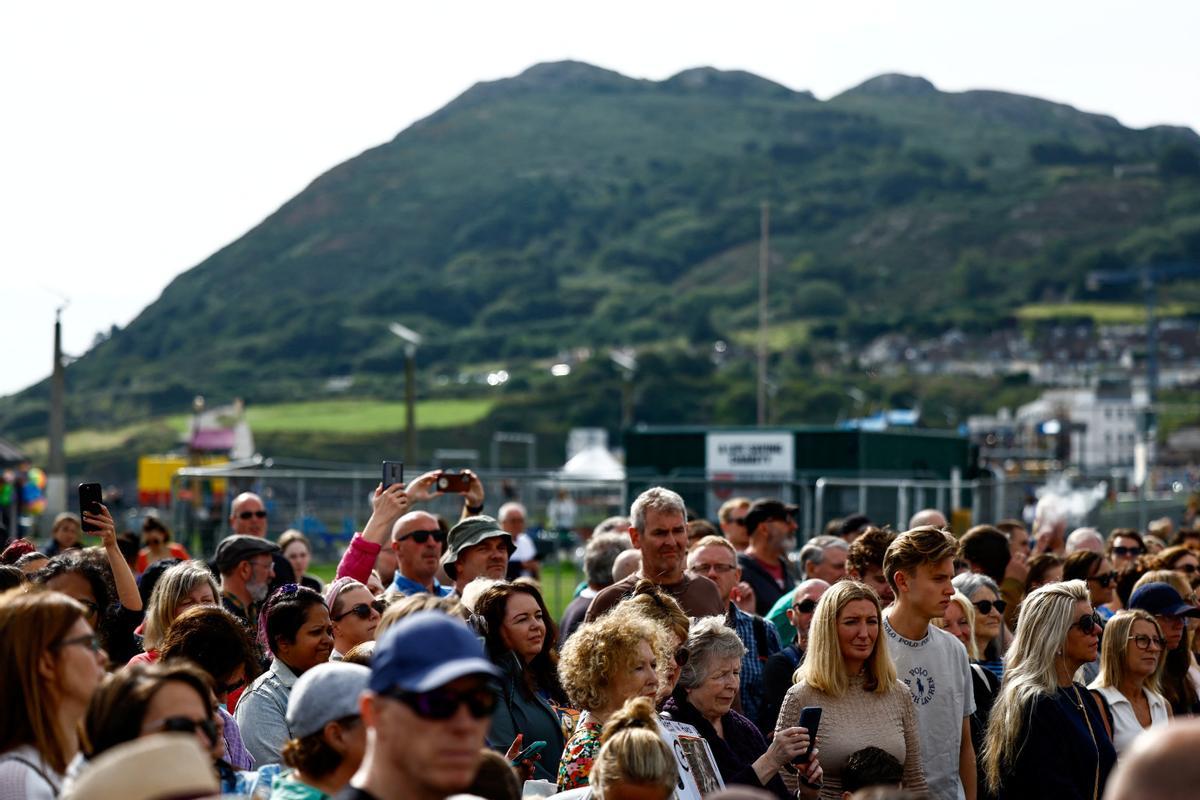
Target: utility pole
[
  {"x": 56, "y": 477},
  {"x": 764, "y": 251},
  {"x": 412, "y": 340}
]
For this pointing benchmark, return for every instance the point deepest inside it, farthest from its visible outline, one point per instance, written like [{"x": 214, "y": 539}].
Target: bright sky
[{"x": 140, "y": 137}]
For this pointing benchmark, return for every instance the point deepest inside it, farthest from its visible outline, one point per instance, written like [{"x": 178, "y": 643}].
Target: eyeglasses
[
  {"x": 1127, "y": 551},
  {"x": 1087, "y": 623},
  {"x": 720, "y": 569},
  {"x": 1105, "y": 579},
  {"x": 443, "y": 703},
  {"x": 91, "y": 642},
  {"x": 186, "y": 725},
  {"x": 154, "y": 542},
  {"x": 363, "y": 610},
  {"x": 232, "y": 686},
  {"x": 806, "y": 606},
  {"x": 1189, "y": 569},
  {"x": 249, "y": 514},
  {"x": 93, "y": 610},
  {"x": 1143, "y": 641},
  {"x": 737, "y": 520},
  {"x": 985, "y": 606},
  {"x": 681, "y": 656},
  {"x": 421, "y": 537}
]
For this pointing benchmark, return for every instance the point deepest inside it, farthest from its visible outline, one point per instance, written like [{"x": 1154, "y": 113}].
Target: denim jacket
[{"x": 262, "y": 713}]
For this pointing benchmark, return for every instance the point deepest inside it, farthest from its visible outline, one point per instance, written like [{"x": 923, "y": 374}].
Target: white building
[{"x": 1102, "y": 422}]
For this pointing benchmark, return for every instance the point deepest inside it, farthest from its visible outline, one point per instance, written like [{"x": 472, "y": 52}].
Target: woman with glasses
[
  {"x": 354, "y": 612},
  {"x": 1168, "y": 596},
  {"x": 1096, "y": 570},
  {"x": 708, "y": 684},
  {"x": 52, "y": 663},
  {"x": 101, "y": 580},
  {"x": 294, "y": 626},
  {"x": 990, "y": 634},
  {"x": 848, "y": 673},
  {"x": 1131, "y": 664},
  {"x": 216, "y": 641},
  {"x": 1048, "y": 737},
  {"x": 604, "y": 664},
  {"x": 521, "y": 640},
  {"x": 181, "y": 587},
  {"x": 1181, "y": 559},
  {"x": 158, "y": 545}
]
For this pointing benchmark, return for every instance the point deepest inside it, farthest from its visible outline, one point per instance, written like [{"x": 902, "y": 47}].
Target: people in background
[
  {"x": 732, "y": 518},
  {"x": 298, "y": 551},
  {"x": 354, "y": 612},
  {"x": 184, "y": 585},
  {"x": 764, "y": 564},
  {"x": 991, "y": 637},
  {"x": 156, "y": 537},
  {"x": 781, "y": 667},
  {"x": 477, "y": 547},
  {"x": 599, "y": 555}
]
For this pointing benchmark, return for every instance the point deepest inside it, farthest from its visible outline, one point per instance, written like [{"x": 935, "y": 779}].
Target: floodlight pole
[{"x": 411, "y": 340}]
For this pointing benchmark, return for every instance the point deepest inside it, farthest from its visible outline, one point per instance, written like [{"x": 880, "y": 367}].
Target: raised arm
[{"x": 127, "y": 590}]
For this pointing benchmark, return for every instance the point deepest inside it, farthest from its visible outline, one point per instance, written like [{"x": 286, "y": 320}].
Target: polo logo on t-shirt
[{"x": 921, "y": 685}]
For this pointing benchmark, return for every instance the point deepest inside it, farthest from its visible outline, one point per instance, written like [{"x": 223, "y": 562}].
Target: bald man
[
  {"x": 1161, "y": 764},
  {"x": 928, "y": 516},
  {"x": 248, "y": 516}
]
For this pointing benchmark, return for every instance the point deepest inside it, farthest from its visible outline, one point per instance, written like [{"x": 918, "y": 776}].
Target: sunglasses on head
[
  {"x": 250, "y": 514},
  {"x": 1087, "y": 624},
  {"x": 443, "y": 703},
  {"x": 421, "y": 537},
  {"x": 363, "y": 610},
  {"x": 1189, "y": 569},
  {"x": 186, "y": 725},
  {"x": 681, "y": 656},
  {"x": 1127, "y": 551},
  {"x": 985, "y": 606},
  {"x": 806, "y": 606},
  {"x": 1105, "y": 579}
]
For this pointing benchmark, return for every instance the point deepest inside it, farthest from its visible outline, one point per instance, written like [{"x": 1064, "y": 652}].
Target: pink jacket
[{"x": 359, "y": 559}]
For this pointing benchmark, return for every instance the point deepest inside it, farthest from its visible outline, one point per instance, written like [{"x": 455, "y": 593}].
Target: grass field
[
  {"x": 558, "y": 583},
  {"x": 1101, "y": 313},
  {"x": 327, "y": 416}
]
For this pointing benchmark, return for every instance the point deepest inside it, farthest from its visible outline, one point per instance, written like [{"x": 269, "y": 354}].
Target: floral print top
[{"x": 579, "y": 754}]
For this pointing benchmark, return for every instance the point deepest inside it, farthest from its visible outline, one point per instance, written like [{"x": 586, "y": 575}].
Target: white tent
[{"x": 593, "y": 463}]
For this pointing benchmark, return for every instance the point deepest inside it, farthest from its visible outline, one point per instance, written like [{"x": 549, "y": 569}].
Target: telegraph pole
[
  {"x": 56, "y": 477},
  {"x": 764, "y": 251}
]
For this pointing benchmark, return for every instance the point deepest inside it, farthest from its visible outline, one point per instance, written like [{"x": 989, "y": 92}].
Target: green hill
[{"x": 573, "y": 207}]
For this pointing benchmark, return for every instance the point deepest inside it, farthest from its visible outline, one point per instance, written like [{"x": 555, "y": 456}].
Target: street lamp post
[{"x": 411, "y": 340}]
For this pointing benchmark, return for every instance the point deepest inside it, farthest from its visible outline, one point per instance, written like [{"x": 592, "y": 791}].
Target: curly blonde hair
[{"x": 599, "y": 650}]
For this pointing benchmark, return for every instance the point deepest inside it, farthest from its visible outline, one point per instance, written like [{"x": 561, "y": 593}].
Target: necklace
[{"x": 1092, "y": 733}]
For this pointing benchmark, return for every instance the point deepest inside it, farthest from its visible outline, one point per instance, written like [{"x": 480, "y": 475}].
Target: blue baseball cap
[
  {"x": 426, "y": 650},
  {"x": 1161, "y": 599}
]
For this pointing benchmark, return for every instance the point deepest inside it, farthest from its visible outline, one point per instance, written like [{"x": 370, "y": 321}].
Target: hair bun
[{"x": 638, "y": 712}]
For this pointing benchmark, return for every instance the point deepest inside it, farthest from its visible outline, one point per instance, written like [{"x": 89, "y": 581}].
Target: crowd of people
[{"x": 696, "y": 660}]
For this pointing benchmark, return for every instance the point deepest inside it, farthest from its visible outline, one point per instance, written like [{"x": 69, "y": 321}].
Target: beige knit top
[{"x": 856, "y": 720}]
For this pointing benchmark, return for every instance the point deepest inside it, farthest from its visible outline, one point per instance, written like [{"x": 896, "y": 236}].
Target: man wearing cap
[
  {"x": 418, "y": 542},
  {"x": 764, "y": 566},
  {"x": 427, "y": 709},
  {"x": 1161, "y": 601},
  {"x": 658, "y": 528},
  {"x": 248, "y": 517},
  {"x": 324, "y": 702},
  {"x": 246, "y": 569},
  {"x": 476, "y": 548}
]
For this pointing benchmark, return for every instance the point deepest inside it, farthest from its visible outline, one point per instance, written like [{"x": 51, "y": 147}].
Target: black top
[
  {"x": 766, "y": 589},
  {"x": 736, "y": 753},
  {"x": 1056, "y": 754},
  {"x": 777, "y": 679},
  {"x": 985, "y": 685},
  {"x": 572, "y": 617}
]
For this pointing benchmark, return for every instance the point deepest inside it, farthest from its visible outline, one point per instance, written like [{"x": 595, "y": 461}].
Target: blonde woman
[
  {"x": 648, "y": 601},
  {"x": 181, "y": 587},
  {"x": 634, "y": 758},
  {"x": 1131, "y": 665},
  {"x": 848, "y": 673},
  {"x": 1048, "y": 736}
]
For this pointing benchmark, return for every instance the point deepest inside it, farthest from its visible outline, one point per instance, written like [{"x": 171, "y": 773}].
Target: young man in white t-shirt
[{"x": 918, "y": 566}]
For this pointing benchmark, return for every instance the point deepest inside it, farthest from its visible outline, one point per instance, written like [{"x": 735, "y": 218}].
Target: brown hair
[
  {"x": 31, "y": 624},
  {"x": 658, "y": 606},
  {"x": 214, "y": 640},
  {"x": 541, "y": 674},
  {"x": 911, "y": 549},
  {"x": 1038, "y": 567},
  {"x": 314, "y": 756},
  {"x": 868, "y": 550},
  {"x": 118, "y": 707},
  {"x": 1167, "y": 558}
]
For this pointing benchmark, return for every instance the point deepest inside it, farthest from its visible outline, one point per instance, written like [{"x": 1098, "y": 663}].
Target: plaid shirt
[{"x": 753, "y": 662}]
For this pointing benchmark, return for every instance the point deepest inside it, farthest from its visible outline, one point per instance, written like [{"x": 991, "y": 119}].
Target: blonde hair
[
  {"x": 824, "y": 667},
  {"x": 1167, "y": 576},
  {"x": 968, "y": 609},
  {"x": 911, "y": 549},
  {"x": 175, "y": 584},
  {"x": 598, "y": 651},
  {"x": 404, "y": 605},
  {"x": 633, "y": 751},
  {"x": 1112, "y": 649},
  {"x": 651, "y": 602},
  {"x": 1029, "y": 672},
  {"x": 712, "y": 541}
]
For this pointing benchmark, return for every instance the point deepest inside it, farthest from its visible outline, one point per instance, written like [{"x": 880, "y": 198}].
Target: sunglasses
[
  {"x": 186, "y": 725},
  {"x": 91, "y": 642},
  {"x": 985, "y": 606},
  {"x": 738, "y": 520},
  {"x": 1087, "y": 623},
  {"x": 1105, "y": 579},
  {"x": 421, "y": 537},
  {"x": 1127, "y": 551},
  {"x": 363, "y": 610},
  {"x": 805, "y": 606},
  {"x": 1189, "y": 569},
  {"x": 1143, "y": 641},
  {"x": 251, "y": 514},
  {"x": 681, "y": 657},
  {"x": 443, "y": 703},
  {"x": 232, "y": 686}
]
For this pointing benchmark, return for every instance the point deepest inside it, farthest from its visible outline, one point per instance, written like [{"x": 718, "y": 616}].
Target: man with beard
[
  {"x": 245, "y": 564},
  {"x": 658, "y": 528},
  {"x": 764, "y": 566}
]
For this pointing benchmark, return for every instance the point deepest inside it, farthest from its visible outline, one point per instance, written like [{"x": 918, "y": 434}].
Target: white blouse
[{"x": 1124, "y": 722}]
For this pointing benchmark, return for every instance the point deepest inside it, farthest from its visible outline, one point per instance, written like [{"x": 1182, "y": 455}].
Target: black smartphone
[
  {"x": 810, "y": 720},
  {"x": 393, "y": 472},
  {"x": 91, "y": 495},
  {"x": 528, "y": 753},
  {"x": 451, "y": 481}
]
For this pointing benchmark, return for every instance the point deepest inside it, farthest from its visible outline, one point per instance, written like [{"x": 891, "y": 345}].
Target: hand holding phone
[
  {"x": 393, "y": 472},
  {"x": 529, "y": 753},
  {"x": 91, "y": 495},
  {"x": 810, "y": 720}
]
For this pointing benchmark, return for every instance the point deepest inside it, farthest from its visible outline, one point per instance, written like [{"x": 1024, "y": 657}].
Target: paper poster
[{"x": 698, "y": 773}]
